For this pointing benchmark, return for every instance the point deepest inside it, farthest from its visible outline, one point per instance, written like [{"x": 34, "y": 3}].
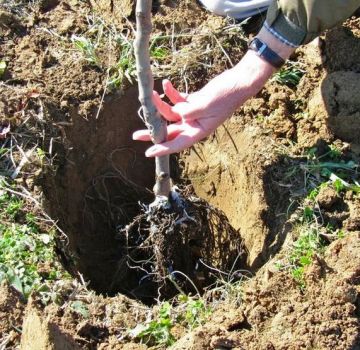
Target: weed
[
  {"x": 159, "y": 53},
  {"x": 125, "y": 66},
  {"x": 340, "y": 234},
  {"x": 41, "y": 155},
  {"x": 302, "y": 254},
  {"x": 260, "y": 118},
  {"x": 325, "y": 169},
  {"x": 87, "y": 48},
  {"x": 158, "y": 331},
  {"x": 26, "y": 251},
  {"x": 334, "y": 153},
  {"x": 308, "y": 214},
  {"x": 341, "y": 185},
  {"x": 195, "y": 311},
  {"x": 289, "y": 75},
  {"x": 158, "y": 48},
  {"x": 80, "y": 307},
  {"x": 10, "y": 205},
  {"x": 189, "y": 312}
]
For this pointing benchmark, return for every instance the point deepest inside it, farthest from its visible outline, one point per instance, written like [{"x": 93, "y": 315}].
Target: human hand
[
  {"x": 194, "y": 117},
  {"x": 197, "y": 115}
]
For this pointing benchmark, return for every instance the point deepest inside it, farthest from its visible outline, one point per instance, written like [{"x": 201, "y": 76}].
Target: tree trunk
[{"x": 153, "y": 120}]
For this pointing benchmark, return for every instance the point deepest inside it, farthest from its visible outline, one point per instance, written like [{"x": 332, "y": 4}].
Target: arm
[
  {"x": 197, "y": 115},
  {"x": 289, "y": 23}
]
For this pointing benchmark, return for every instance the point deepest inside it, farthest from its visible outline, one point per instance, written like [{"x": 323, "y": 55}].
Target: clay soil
[{"x": 96, "y": 175}]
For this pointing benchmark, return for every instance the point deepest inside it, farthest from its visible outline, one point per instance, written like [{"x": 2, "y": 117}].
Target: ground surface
[{"x": 270, "y": 169}]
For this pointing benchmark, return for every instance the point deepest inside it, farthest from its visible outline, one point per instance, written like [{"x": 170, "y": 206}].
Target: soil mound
[{"x": 276, "y": 315}]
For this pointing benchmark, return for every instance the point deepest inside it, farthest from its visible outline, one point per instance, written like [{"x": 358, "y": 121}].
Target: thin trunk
[{"x": 153, "y": 120}]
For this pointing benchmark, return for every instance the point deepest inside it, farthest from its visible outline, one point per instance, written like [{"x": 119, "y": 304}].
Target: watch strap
[{"x": 266, "y": 53}]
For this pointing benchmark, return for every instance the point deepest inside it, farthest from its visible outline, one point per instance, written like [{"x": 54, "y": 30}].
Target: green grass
[
  {"x": 192, "y": 312},
  {"x": 87, "y": 48},
  {"x": 156, "y": 331},
  {"x": 187, "y": 312},
  {"x": 289, "y": 75},
  {"x": 329, "y": 168},
  {"x": 27, "y": 259},
  {"x": 125, "y": 66},
  {"x": 103, "y": 38},
  {"x": 308, "y": 244}
]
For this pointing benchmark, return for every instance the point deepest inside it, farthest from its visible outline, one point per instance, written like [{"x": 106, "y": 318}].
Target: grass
[
  {"x": 27, "y": 258},
  {"x": 192, "y": 312},
  {"x": 308, "y": 244},
  {"x": 87, "y": 48},
  {"x": 330, "y": 169},
  {"x": 304, "y": 249},
  {"x": 290, "y": 74},
  {"x": 125, "y": 66},
  {"x": 156, "y": 331},
  {"x": 187, "y": 311}
]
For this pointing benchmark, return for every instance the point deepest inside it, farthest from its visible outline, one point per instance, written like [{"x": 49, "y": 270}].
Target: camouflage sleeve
[{"x": 297, "y": 22}]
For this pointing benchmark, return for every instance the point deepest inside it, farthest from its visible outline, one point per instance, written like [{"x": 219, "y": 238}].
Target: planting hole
[{"x": 95, "y": 195}]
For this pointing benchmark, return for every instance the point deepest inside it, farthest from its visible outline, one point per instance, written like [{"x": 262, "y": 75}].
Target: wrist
[
  {"x": 252, "y": 73},
  {"x": 276, "y": 45},
  {"x": 265, "y": 52}
]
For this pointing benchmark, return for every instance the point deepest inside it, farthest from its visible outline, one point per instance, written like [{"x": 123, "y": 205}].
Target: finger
[
  {"x": 173, "y": 130},
  {"x": 141, "y": 135},
  {"x": 184, "y": 140},
  {"x": 165, "y": 109},
  {"x": 173, "y": 95}
]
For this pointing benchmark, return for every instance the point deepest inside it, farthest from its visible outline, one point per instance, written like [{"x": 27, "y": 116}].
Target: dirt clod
[{"x": 327, "y": 197}]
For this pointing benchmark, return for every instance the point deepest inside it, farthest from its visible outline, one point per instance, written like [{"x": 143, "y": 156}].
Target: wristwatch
[{"x": 264, "y": 51}]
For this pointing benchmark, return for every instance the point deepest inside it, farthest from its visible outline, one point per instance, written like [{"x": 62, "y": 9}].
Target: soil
[
  {"x": 96, "y": 176},
  {"x": 275, "y": 315}
]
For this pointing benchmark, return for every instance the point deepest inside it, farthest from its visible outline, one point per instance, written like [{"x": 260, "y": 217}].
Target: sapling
[
  {"x": 162, "y": 246},
  {"x": 153, "y": 120}
]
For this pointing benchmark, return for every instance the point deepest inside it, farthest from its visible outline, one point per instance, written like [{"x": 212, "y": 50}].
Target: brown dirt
[
  {"x": 11, "y": 315},
  {"x": 240, "y": 171},
  {"x": 275, "y": 314},
  {"x": 104, "y": 323},
  {"x": 99, "y": 174}
]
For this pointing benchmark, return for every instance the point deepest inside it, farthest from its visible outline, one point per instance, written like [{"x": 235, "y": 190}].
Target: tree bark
[{"x": 153, "y": 120}]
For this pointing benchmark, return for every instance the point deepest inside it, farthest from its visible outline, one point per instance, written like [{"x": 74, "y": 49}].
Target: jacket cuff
[{"x": 282, "y": 28}]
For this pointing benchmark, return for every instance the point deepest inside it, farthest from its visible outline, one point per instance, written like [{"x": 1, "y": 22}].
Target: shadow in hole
[{"x": 100, "y": 177}]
